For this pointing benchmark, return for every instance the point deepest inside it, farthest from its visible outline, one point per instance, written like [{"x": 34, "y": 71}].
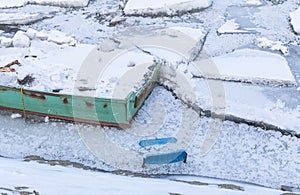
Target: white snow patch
[
  {"x": 295, "y": 20},
  {"x": 46, "y": 119},
  {"x": 169, "y": 7},
  {"x": 254, "y": 2},
  {"x": 230, "y": 26},
  {"x": 248, "y": 65},
  {"x": 16, "y": 115},
  {"x": 272, "y": 45}
]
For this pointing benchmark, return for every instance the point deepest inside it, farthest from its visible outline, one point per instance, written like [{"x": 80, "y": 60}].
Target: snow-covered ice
[
  {"x": 64, "y": 3},
  {"x": 295, "y": 20},
  {"x": 21, "y": 18},
  {"x": 166, "y": 7},
  {"x": 19, "y": 177},
  {"x": 242, "y": 152},
  {"x": 254, "y": 2},
  {"x": 272, "y": 45},
  {"x": 59, "y": 38},
  {"x": 248, "y": 65},
  {"x": 11, "y": 4},
  {"x": 230, "y": 26}
]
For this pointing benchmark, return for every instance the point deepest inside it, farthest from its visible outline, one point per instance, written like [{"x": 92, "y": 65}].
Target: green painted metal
[{"x": 115, "y": 112}]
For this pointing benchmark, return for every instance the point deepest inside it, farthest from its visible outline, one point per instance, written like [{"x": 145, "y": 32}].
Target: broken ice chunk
[
  {"x": 60, "y": 38},
  {"x": 42, "y": 35},
  {"x": 5, "y": 42},
  {"x": 15, "y": 116},
  {"x": 295, "y": 20},
  {"x": 230, "y": 26},
  {"x": 31, "y": 33},
  {"x": 273, "y": 45},
  {"x": 254, "y": 2},
  {"x": 21, "y": 40}
]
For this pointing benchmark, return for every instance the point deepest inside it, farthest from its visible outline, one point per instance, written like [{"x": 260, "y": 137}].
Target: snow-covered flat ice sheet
[
  {"x": 18, "y": 176},
  {"x": 24, "y": 18},
  {"x": 253, "y": 103},
  {"x": 168, "y": 7},
  {"x": 248, "y": 65}
]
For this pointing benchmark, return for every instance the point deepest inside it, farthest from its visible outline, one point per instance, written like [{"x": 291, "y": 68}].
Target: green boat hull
[{"x": 95, "y": 110}]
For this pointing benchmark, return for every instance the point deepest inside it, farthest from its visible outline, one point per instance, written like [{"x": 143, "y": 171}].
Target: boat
[{"x": 78, "y": 108}]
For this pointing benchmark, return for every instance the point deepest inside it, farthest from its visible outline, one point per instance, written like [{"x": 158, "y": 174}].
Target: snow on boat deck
[{"x": 56, "y": 68}]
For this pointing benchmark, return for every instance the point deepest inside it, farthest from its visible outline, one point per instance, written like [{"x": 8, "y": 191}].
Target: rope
[{"x": 23, "y": 104}]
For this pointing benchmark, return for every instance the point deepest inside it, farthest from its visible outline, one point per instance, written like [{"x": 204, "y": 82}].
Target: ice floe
[
  {"x": 249, "y": 65},
  {"x": 254, "y": 2},
  {"x": 21, "y": 18},
  {"x": 164, "y": 7},
  {"x": 62, "y": 3},
  {"x": 295, "y": 20}
]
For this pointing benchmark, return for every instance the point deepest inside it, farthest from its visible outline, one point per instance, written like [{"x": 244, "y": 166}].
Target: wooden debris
[
  {"x": 16, "y": 62},
  {"x": 7, "y": 69}
]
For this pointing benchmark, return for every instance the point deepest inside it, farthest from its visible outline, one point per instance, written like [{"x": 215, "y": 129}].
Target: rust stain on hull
[
  {"x": 143, "y": 95},
  {"x": 89, "y": 104},
  {"x": 35, "y": 95},
  {"x": 65, "y": 101}
]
